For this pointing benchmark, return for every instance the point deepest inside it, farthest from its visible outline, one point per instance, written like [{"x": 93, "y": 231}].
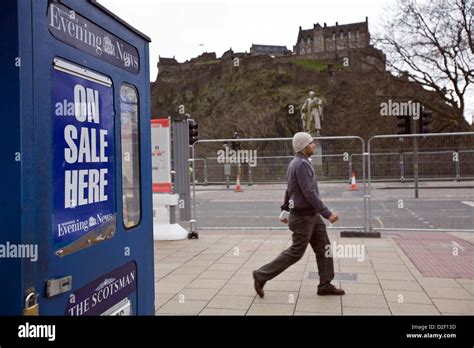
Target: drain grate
[{"x": 342, "y": 277}]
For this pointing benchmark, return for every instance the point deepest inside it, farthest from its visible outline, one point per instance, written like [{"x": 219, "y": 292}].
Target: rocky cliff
[{"x": 261, "y": 96}]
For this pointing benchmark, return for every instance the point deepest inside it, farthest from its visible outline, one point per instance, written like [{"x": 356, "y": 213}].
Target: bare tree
[{"x": 433, "y": 42}]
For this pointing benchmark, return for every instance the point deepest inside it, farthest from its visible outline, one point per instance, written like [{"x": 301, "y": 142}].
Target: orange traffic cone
[
  {"x": 353, "y": 182},
  {"x": 237, "y": 186}
]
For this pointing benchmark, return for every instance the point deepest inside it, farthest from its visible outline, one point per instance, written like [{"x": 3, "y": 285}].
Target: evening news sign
[
  {"x": 68, "y": 26},
  {"x": 83, "y": 156}
]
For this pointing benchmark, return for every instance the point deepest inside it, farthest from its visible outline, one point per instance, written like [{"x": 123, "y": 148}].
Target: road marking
[
  {"x": 469, "y": 203},
  {"x": 456, "y": 244},
  {"x": 379, "y": 221}
]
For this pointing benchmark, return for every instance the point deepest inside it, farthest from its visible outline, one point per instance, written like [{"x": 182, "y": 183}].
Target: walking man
[{"x": 306, "y": 208}]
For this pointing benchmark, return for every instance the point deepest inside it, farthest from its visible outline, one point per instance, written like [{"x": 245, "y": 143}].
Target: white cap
[{"x": 301, "y": 140}]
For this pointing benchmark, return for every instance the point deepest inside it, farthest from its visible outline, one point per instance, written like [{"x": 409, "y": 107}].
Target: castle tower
[{"x": 324, "y": 39}]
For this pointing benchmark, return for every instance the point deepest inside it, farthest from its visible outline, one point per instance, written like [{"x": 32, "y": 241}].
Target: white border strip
[{"x": 79, "y": 71}]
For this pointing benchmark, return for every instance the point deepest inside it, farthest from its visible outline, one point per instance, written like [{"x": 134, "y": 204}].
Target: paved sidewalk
[{"x": 213, "y": 276}]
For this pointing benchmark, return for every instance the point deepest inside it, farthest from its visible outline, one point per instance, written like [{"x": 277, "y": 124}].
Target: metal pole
[
  {"x": 369, "y": 181},
  {"x": 250, "y": 175},
  {"x": 402, "y": 168},
  {"x": 194, "y": 189},
  {"x": 350, "y": 165},
  {"x": 205, "y": 171},
  {"x": 181, "y": 167},
  {"x": 415, "y": 157},
  {"x": 457, "y": 166},
  {"x": 364, "y": 183}
]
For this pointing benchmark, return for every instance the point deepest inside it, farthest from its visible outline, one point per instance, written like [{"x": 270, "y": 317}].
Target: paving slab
[
  {"x": 413, "y": 309},
  {"x": 231, "y": 302},
  {"x": 206, "y": 277},
  {"x": 182, "y": 308},
  {"x": 326, "y": 304},
  {"x": 271, "y": 309},
  {"x": 450, "y": 306}
]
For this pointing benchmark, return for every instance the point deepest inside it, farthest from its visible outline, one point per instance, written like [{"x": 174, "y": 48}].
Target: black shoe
[
  {"x": 258, "y": 286},
  {"x": 331, "y": 290}
]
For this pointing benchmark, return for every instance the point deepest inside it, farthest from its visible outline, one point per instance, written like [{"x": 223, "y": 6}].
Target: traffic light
[
  {"x": 426, "y": 119},
  {"x": 235, "y": 144},
  {"x": 403, "y": 124},
  {"x": 193, "y": 131}
]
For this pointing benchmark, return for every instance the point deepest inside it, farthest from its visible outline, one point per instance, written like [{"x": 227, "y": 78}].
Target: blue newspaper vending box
[{"x": 75, "y": 196}]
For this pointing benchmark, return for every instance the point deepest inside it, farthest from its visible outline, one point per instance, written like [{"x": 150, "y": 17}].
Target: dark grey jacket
[{"x": 302, "y": 194}]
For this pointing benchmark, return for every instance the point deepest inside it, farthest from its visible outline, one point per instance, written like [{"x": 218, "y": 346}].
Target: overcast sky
[{"x": 184, "y": 29}]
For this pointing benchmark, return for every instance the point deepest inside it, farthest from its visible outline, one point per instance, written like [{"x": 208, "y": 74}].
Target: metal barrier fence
[
  {"x": 339, "y": 157},
  {"x": 463, "y": 169},
  {"x": 440, "y": 166},
  {"x": 209, "y": 171},
  {"x": 436, "y": 189},
  {"x": 265, "y": 161}
]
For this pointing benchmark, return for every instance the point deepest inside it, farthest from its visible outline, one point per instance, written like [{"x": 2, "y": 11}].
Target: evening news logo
[
  {"x": 84, "y": 225},
  {"x": 92, "y": 221}
]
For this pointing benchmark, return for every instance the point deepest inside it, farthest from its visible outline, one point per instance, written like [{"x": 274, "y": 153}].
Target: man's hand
[
  {"x": 284, "y": 216},
  {"x": 333, "y": 218}
]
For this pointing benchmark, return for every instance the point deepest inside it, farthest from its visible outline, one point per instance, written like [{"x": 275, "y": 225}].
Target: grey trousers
[{"x": 306, "y": 229}]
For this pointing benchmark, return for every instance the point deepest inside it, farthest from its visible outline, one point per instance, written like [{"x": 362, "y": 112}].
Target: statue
[{"x": 312, "y": 114}]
